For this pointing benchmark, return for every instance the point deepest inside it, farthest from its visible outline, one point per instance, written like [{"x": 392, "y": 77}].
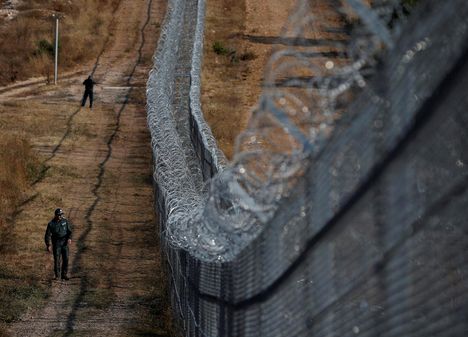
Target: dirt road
[{"x": 97, "y": 167}]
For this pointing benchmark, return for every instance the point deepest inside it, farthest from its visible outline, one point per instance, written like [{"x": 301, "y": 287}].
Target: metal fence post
[{"x": 56, "y": 49}]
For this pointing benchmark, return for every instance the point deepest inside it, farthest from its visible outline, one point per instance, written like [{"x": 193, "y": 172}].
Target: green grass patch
[
  {"x": 232, "y": 54},
  {"x": 220, "y": 49},
  {"x": 45, "y": 47}
]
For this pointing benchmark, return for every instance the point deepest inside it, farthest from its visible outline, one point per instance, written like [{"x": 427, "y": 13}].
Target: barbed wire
[
  {"x": 327, "y": 61},
  {"x": 242, "y": 242},
  {"x": 330, "y": 53}
]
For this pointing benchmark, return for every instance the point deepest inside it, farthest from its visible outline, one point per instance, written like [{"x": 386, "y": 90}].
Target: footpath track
[{"x": 99, "y": 171}]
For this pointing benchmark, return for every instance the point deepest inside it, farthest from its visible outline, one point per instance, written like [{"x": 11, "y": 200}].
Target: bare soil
[
  {"x": 97, "y": 167},
  {"x": 231, "y": 85}
]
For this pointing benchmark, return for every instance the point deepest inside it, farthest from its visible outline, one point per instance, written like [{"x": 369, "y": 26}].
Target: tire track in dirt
[
  {"x": 66, "y": 306},
  {"x": 28, "y": 84},
  {"x": 70, "y": 119},
  {"x": 34, "y": 84},
  {"x": 102, "y": 169}
]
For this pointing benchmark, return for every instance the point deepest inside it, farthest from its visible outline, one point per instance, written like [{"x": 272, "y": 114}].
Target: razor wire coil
[{"x": 309, "y": 230}]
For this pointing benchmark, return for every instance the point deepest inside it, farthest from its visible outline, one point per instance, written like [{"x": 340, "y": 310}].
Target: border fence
[{"x": 343, "y": 212}]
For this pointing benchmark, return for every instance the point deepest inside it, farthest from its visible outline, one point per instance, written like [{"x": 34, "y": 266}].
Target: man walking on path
[
  {"x": 89, "y": 84},
  {"x": 59, "y": 230}
]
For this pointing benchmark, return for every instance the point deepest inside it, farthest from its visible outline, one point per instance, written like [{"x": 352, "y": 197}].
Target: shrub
[
  {"x": 247, "y": 56},
  {"x": 219, "y": 48},
  {"x": 45, "y": 47},
  {"x": 27, "y": 39}
]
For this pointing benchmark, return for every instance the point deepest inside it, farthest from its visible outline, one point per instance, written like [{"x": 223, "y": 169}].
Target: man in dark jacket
[
  {"x": 89, "y": 84},
  {"x": 59, "y": 230}
]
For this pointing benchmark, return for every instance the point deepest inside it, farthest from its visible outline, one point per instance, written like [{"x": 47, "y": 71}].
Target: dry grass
[
  {"x": 221, "y": 76},
  {"x": 19, "y": 167},
  {"x": 24, "y": 264},
  {"x": 18, "y": 290},
  {"x": 27, "y": 51},
  {"x": 26, "y": 42},
  {"x": 20, "y": 284},
  {"x": 24, "y": 118},
  {"x": 233, "y": 65},
  {"x": 21, "y": 246}
]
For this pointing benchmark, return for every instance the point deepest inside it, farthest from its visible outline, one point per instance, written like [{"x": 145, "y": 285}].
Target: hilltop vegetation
[{"x": 27, "y": 40}]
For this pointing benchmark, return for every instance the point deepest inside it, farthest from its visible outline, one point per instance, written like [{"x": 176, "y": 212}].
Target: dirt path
[{"x": 98, "y": 169}]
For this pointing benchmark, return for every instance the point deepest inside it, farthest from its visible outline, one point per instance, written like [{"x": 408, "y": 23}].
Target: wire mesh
[{"x": 343, "y": 211}]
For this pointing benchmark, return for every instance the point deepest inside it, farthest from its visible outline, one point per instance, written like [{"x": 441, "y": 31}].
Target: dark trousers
[
  {"x": 60, "y": 259},
  {"x": 85, "y": 96}
]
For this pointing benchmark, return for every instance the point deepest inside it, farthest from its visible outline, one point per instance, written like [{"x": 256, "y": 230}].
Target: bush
[
  {"x": 219, "y": 49},
  {"x": 247, "y": 56},
  {"x": 26, "y": 40},
  {"x": 45, "y": 47}
]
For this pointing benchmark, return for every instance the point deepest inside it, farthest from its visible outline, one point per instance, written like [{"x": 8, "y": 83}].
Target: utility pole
[{"x": 56, "y": 48}]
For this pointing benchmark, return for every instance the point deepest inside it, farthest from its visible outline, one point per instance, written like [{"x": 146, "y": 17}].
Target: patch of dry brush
[
  {"x": 234, "y": 62},
  {"x": 19, "y": 166},
  {"x": 27, "y": 41}
]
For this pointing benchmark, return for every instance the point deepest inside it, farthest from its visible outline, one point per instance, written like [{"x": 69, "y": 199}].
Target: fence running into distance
[{"x": 344, "y": 210}]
